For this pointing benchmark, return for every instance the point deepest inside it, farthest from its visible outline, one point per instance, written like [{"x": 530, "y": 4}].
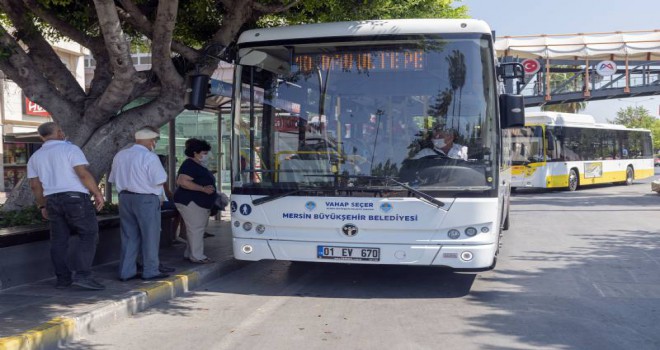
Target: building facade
[{"x": 20, "y": 117}]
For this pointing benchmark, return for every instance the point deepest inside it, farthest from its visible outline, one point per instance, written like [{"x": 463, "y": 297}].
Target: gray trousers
[{"x": 139, "y": 216}]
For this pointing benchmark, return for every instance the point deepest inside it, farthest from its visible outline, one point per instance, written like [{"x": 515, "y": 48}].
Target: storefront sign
[
  {"x": 31, "y": 108},
  {"x": 288, "y": 123}
]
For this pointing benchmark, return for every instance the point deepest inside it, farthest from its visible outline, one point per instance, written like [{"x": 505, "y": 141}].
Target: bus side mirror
[
  {"x": 511, "y": 70},
  {"x": 512, "y": 111},
  {"x": 263, "y": 60}
]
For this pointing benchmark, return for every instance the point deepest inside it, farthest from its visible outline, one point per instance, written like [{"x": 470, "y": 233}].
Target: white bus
[
  {"x": 327, "y": 120},
  {"x": 566, "y": 151}
]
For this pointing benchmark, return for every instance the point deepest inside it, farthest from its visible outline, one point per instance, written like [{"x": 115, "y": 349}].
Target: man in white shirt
[
  {"x": 139, "y": 176},
  {"x": 443, "y": 145},
  {"x": 61, "y": 185}
]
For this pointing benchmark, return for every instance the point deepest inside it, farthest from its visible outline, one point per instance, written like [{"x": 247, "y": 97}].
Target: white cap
[{"x": 146, "y": 134}]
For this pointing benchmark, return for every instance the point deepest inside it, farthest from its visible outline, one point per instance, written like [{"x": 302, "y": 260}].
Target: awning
[
  {"x": 28, "y": 137},
  {"x": 637, "y": 45}
]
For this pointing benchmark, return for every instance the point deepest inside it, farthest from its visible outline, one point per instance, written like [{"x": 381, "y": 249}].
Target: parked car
[{"x": 656, "y": 160}]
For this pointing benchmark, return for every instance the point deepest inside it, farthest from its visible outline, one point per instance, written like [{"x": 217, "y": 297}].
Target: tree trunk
[
  {"x": 106, "y": 141},
  {"x": 91, "y": 120},
  {"x": 20, "y": 197}
]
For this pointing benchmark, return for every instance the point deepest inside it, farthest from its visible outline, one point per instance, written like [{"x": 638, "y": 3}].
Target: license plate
[{"x": 348, "y": 253}]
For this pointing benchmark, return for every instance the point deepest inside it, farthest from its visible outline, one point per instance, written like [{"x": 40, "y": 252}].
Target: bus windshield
[
  {"x": 526, "y": 145},
  {"x": 420, "y": 111}
]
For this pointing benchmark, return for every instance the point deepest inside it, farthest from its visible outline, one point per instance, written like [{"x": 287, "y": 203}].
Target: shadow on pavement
[
  {"x": 590, "y": 282},
  {"x": 603, "y": 297},
  {"x": 27, "y": 306},
  {"x": 325, "y": 280}
]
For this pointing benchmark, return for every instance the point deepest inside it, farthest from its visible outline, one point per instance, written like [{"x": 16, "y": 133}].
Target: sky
[{"x": 525, "y": 17}]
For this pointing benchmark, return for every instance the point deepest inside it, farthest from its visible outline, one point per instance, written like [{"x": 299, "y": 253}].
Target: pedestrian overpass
[{"x": 568, "y": 68}]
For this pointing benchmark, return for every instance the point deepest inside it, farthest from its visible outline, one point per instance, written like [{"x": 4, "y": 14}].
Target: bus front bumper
[{"x": 454, "y": 256}]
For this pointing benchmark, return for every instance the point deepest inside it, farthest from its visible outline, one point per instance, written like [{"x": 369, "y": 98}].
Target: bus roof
[
  {"x": 365, "y": 28},
  {"x": 570, "y": 119}
]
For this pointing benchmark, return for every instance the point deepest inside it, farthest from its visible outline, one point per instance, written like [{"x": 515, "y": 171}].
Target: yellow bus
[{"x": 566, "y": 151}]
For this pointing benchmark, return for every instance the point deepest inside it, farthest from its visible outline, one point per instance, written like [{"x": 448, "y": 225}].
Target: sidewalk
[{"x": 38, "y": 316}]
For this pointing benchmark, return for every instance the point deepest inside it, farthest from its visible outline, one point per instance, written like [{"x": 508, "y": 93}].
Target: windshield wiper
[
  {"x": 276, "y": 196},
  {"x": 420, "y": 194},
  {"x": 273, "y": 197}
]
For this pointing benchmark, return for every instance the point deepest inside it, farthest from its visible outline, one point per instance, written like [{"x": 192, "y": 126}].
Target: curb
[{"x": 68, "y": 327}]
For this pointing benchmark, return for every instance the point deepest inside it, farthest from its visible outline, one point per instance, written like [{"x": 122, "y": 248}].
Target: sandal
[{"x": 205, "y": 261}]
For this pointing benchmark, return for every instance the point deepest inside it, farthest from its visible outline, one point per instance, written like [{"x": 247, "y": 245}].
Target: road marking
[
  {"x": 651, "y": 258},
  {"x": 259, "y": 316},
  {"x": 598, "y": 289}
]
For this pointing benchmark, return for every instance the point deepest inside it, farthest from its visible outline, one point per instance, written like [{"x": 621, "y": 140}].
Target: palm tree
[
  {"x": 440, "y": 107},
  {"x": 570, "y": 107},
  {"x": 457, "y": 71}
]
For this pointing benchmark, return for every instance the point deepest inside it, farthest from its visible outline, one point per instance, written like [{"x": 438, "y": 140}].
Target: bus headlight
[
  {"x": 247, "y": 226},
  {"x": 485, "y": 229},
  {"x": 260, "y": 229},
  {"x": 237, "y": 223},
  {"x": 471, "y": 231},
  {"x": 454, "y": 234}
]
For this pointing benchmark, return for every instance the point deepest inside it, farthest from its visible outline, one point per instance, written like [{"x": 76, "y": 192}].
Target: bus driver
[{"x": 443, "y": 144}]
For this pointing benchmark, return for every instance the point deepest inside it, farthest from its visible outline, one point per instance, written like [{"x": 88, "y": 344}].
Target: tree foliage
[
  {"x": 571, "y": 107},
  {"x": 639, "y": 117},
  {"x": 568, "y": 80},
  {"x": 345, "y": 10},
  {"x": 183, "y": 37}
]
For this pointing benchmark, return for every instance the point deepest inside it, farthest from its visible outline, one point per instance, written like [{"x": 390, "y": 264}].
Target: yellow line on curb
[
  {"x": 47, "y": 333},
  {"x": 165, "y": 289},
  {"x": 61, "y": 328},
  {"x": 191, "y": 276}
]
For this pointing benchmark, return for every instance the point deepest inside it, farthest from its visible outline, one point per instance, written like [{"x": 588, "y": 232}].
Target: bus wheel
[
  {"x": 630, "y": 176},
  {"x": 573, "y": 180}
]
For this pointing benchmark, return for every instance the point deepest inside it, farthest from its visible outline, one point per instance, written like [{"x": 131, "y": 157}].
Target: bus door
[{"x": 527, "y": 156}]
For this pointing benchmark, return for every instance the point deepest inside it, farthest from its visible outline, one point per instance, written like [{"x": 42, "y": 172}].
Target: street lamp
[
  {"x": 636, "y": 102},
  {"x": 640, "y": 101}
]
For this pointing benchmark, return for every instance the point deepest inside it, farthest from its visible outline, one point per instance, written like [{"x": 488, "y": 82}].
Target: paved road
[{"x": 577, "y": 271}]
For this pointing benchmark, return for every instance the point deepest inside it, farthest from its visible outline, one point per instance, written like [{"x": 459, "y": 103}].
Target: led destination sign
[{"x": 367, "y": 61}]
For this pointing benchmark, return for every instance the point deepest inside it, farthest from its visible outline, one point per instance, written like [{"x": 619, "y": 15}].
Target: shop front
[
  {"x": 16, "y": 150},
  {"x": 20, "y": 119}
]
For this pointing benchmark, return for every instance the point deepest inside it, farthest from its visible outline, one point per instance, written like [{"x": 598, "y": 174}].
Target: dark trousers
[{"x": 72, "y": 212}]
